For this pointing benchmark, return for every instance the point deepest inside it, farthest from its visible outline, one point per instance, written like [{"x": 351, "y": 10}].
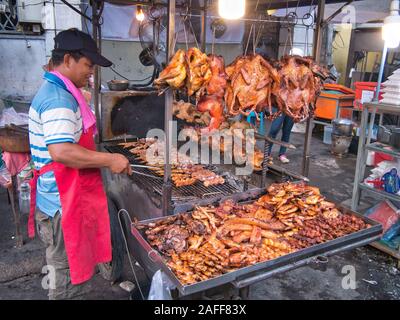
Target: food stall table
[{"x": 14, "y": 142}]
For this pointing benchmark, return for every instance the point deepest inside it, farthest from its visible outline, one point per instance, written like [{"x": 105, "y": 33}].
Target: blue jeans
[{"x": 286, "y": 123}]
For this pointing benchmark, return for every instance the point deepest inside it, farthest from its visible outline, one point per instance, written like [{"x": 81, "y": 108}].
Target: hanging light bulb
[
  {"x": 231, "y": 9},
  {"x": 391, "y": 26},
  {"x": 139, "y": 13}
]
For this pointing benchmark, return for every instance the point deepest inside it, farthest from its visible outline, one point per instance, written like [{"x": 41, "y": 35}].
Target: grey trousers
[{"x": 58, "y": 279}]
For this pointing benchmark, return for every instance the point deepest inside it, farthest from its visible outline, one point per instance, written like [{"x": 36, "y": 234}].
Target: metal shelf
[
  {"x": 381, "y": 193},
  {"x": 365, "y": 144},
  {"x": 380, "y": 147},
  {"x": 382, "y": 108}
]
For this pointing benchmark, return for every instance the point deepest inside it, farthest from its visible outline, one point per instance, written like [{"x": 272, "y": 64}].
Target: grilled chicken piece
[
  {"x": 215, "y": 90},
  {"x": 251, "y": 79},
  {"x": 242, "y": 236},
  {"x": 198, "y": 71},
  {"x": 174, "y": 74},
  {"x": 238, "y": 259},
  {"x": 275, "y": 225},
  {"x": 187, "y": 112},
  {"x": 195, "y": 242},
  {"x": 181, "y": 180},
  {"x": 300, "y": 84},
  {"x": 212, "y": 105},
  {"x": 217, "y": 84}
]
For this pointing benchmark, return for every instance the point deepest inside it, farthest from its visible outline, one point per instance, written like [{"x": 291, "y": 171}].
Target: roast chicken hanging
[
  {"x": 198, "y": 72},
  {"x": 174, "y": 75},
  {"x": 299, "y": 86},
  {"x": 213, "y": 99},
  {"x": 251, "y": 80},
  {"x": 187, "y": 70},
  {"x": 250, "y": 83}
]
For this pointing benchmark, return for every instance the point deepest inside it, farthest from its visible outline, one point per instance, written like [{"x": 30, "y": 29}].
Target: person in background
[{"x": 285, "y": 123}]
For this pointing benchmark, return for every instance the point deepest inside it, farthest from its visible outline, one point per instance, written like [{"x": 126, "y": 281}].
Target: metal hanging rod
[
  {"x": 144, "y": 3},
  {"x": 149, "y": 4},
  {"x": 248, "y": 19}
]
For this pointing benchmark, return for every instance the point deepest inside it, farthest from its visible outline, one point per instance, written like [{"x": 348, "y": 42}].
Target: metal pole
[
  {"x": 359, "y": 175},
  {"x": 203, "y": 26},
  {"x": 96, "y": 74},
  {"x": 376, "y": 97},
  {"x": 381, "y": 70},
  {"x": 338, "y": 11},
  {"x": 167, "y": 185},
  {"x": 316, "y": 56}
]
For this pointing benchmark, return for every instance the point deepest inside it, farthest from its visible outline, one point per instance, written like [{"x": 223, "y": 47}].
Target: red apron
[{"x": 85, "y": 221}]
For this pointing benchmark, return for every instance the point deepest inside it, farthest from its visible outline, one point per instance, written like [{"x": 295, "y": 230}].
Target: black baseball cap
[{"x": 76, "y": 40}]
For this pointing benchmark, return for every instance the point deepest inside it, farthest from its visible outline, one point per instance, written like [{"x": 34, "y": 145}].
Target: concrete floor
[{"x": 376, "y": 274}]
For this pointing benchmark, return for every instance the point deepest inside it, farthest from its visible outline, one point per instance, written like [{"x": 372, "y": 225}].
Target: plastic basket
[{"x": 365, "y": 92}]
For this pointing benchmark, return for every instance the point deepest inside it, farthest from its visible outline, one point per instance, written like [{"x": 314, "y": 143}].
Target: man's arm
[{"x": 74, "y": 156}]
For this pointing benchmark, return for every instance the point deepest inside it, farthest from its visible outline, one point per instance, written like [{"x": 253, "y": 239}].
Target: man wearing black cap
[{"x": 69, "y": 204}]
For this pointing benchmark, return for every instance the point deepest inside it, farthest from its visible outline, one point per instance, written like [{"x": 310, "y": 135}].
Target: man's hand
[
  {"x": 119, "y": 164},
  {"x": 75, "y": 156}
]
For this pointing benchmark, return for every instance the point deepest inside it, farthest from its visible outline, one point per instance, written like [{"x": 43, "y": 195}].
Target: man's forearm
[{"x": 75, "y": 156}]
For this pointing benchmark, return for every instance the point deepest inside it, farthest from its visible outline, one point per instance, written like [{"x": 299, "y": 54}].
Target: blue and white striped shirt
[{"x": 54, "y": 117}]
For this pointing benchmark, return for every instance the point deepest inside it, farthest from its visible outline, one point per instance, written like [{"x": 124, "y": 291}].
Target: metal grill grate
[{"x": 181, "y": 194}]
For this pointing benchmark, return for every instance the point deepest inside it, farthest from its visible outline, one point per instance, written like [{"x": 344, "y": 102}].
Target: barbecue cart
[{"x": 124, "y": 116}]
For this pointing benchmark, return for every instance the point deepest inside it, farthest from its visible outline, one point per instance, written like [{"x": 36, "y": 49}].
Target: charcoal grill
[
  {"x": 128, "y": 193},
  {"x": 143, "y": 198},
  {"x": 127, "y": 116},
  {"x": 180, "y": 195},
  {"x": 242, "y": 278}
]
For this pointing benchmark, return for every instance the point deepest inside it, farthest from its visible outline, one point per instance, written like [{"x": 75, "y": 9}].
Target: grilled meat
[
  {"x": 174, "y": 74},
  {"x": 217, "y": 84},
  {"x": 212, "y": 101},
  {"x": 250, "y": 83},
  {"x": 183, "y": 171},
  {"x": 190, "y": 70},
  {"x": 187, "y": 112},
  {"x": 212, "y": 105},
  {"x": 198, "y": 71},
  {"x": 251, "y": 79},
  {"x": 299, "y": 87},
  {"x": 211, "y": 241},
  {"x": 175, "y": 238}
]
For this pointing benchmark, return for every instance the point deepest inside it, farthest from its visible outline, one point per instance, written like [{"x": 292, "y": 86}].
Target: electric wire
[
  {"x": 251, "y": 32},
  {"x": 343, "y": 45},
  {"x": 111, "y": 68},
  {"x": 44, "y": 2},
  {"x": 127, "y": 249},
  {"x": 192, "y": 29},
  {"x": 135, "y": 80}
]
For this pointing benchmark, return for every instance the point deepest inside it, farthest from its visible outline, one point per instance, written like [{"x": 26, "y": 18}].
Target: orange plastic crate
[{"x": 328, "y": 101}]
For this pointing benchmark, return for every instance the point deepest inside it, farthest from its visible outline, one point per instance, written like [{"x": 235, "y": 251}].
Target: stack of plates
[{"x": 391, "y": 89}]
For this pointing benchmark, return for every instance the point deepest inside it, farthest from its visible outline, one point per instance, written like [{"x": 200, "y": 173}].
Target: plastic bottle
[{"x": 24, "y": 197}]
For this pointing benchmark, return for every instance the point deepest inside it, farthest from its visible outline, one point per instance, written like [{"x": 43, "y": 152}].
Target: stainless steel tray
[{"x": 281, "y": 264}]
